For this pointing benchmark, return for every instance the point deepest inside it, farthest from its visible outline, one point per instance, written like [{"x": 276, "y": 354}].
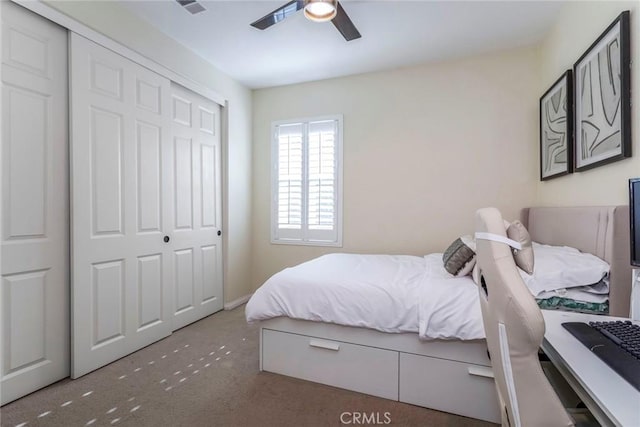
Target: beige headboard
[{"x": 600, "y": 230}]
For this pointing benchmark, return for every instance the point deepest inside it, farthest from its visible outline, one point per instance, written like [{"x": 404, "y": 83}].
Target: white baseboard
[{"x": 237, "y": 302}]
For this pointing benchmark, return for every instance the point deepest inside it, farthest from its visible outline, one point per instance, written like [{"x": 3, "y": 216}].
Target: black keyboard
[{"x": 617, "y": 343}]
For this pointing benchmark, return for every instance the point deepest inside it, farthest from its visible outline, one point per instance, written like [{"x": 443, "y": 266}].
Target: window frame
[{"x": 304, "y": 241}]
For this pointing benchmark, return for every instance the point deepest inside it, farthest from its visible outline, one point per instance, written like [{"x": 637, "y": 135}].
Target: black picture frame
[
  {"x": 602, "y": 107},
  {"x": 556, "y": 128}
]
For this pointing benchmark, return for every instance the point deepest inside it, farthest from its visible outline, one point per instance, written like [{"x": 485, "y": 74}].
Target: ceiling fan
[{"x": 314, "y": 10}]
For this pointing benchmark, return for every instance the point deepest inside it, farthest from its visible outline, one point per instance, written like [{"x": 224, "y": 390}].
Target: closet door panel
[
  {"x": 149, "y": 145},
  {"x": 108, "y": 301},
  {"x": 183, "y": 155},
  {"x": 107, "y": 152},
  {"x": 34, "y": 289},
  {"x": 184, "y": 297},
  {"x": 208, "y": 185},
  {"x": 198, "y": 279},
  {"x": 210, "y": 273},
  {"x": 149, "y": 290},
  {"x": 27, "y": 335},
  {"x": 121, "y": 150},
  {"x": 26, "y": 149}
]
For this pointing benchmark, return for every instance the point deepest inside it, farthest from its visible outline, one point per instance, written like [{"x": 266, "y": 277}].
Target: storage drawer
[
  {"x": 445, "y": 385},
  {"x": 353, "y": 367}
]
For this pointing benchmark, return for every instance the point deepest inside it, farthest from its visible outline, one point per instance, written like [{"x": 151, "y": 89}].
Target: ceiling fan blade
[
  {"x": 278, "y": 14},
  {"x": 345, "y": 26}
]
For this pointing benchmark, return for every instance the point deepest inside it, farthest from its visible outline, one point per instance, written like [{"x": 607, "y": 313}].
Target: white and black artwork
[
  {"x": 603, "y": 98},
  {"x": 556, "y": 129}
]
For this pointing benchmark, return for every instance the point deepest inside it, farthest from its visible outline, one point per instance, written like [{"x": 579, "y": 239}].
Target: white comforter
[{"x": 384, "y": 292}]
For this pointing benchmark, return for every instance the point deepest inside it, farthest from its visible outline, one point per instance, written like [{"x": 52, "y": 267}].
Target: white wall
[
  {"x": 577, "y": 27},
  {"x": 117, "y": 23},
  {"x": 424, "y": 148}
]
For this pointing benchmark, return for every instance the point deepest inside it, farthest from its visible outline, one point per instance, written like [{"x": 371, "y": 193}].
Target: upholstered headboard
[{"x": 600, "y": 230}]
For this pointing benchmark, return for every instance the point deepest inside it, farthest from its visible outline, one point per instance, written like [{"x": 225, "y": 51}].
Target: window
[{"x": 306, "y": 185}]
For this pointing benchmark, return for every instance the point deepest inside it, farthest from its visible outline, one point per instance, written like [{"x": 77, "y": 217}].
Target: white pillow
[{"x": 562, "y": 267}]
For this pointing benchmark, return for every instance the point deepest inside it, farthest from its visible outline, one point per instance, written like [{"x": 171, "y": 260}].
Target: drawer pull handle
[
  {"x": 324, "y": 344},
  {"x": 480, "y": 371}
]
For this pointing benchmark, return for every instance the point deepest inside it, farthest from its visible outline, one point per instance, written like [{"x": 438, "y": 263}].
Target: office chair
[{"x": 514, "y": 328}]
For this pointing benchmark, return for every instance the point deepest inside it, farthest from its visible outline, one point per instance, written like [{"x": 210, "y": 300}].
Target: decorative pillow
[
  {"x": 460, "y": 256},
  {"x": 523, "y": 257}
]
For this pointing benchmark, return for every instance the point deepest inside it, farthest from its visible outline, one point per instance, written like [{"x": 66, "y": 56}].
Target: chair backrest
[{"x": 514, "y": 327}]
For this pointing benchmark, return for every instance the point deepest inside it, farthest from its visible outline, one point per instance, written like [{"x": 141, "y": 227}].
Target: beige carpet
[{"x": 204, "y": 375}]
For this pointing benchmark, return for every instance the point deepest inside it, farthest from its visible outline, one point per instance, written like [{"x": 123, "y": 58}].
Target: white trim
[
  {"x": 498, "y": 238},
  {"x": 294, "y": 242},
  {"x": 307, "y": 119},
  {"x": 46, "y": 11},
  {"x": 340, "y": 161},
  {"x": 508, "y": 374},
  {"x": 237, "y": 302}
]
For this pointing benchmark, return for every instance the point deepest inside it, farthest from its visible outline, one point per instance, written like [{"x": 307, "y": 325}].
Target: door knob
[
  {"x": 219, "y": 233},
  {"x": 166, "y": 239}
]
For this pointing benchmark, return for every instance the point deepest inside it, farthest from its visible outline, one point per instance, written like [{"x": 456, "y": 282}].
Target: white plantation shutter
[
  {"x": 290, "y": 180},
  {"x": 306, "y": 182}
]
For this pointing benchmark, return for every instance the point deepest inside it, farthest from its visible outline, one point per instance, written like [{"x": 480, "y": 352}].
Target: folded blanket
[{"x": 565, "y": 304}]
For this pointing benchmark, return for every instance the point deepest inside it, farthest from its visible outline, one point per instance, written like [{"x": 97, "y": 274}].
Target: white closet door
[
  {"x": 121, "y": 164},
  {"x": 35, "y": 236},
  {"x": 196, "y": 230}
]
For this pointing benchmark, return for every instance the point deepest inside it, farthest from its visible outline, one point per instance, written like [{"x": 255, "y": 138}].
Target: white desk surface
[{"x": 618, "y": 399}]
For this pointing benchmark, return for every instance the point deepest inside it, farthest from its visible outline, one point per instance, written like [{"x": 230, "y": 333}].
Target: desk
[{"x": 609, "y": 397}]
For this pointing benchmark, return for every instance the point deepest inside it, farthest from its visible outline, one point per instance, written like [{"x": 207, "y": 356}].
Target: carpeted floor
[{"x": 205, "y": 374}]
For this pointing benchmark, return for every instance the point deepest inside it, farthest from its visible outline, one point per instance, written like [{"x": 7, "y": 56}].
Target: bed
[
  {"x": 448, "y": 375},
  {"x": 601, "y": 231}
]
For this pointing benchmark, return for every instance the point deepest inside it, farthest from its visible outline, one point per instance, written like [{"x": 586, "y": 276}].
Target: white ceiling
[{"x": 394, "y": 34}]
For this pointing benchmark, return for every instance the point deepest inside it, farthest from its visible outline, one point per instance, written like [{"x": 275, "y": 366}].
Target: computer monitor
[{"x": 634, "y": 220}]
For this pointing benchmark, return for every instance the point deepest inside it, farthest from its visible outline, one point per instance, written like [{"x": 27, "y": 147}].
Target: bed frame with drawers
[{"x": 453, "y": 376}]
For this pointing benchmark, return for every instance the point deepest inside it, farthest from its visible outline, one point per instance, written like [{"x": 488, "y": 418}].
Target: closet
[
  {"x": 146, "y": 211},
  {"x": 142, "y": 204}
]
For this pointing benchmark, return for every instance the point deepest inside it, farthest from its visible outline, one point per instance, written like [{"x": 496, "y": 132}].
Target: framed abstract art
[
  {"x": 556, "y": 129},
  {"x": 603, "y": 98}
]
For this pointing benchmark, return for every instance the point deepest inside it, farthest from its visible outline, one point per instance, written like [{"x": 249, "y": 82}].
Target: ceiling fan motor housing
[{"x": 320, "y": 10}]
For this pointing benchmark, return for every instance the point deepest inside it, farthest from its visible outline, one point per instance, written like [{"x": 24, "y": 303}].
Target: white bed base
[{"x": 451, "y": 376}]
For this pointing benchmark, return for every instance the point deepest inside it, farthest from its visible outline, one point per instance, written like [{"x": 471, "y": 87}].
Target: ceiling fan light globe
[{"x": 320, "y": 10}]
